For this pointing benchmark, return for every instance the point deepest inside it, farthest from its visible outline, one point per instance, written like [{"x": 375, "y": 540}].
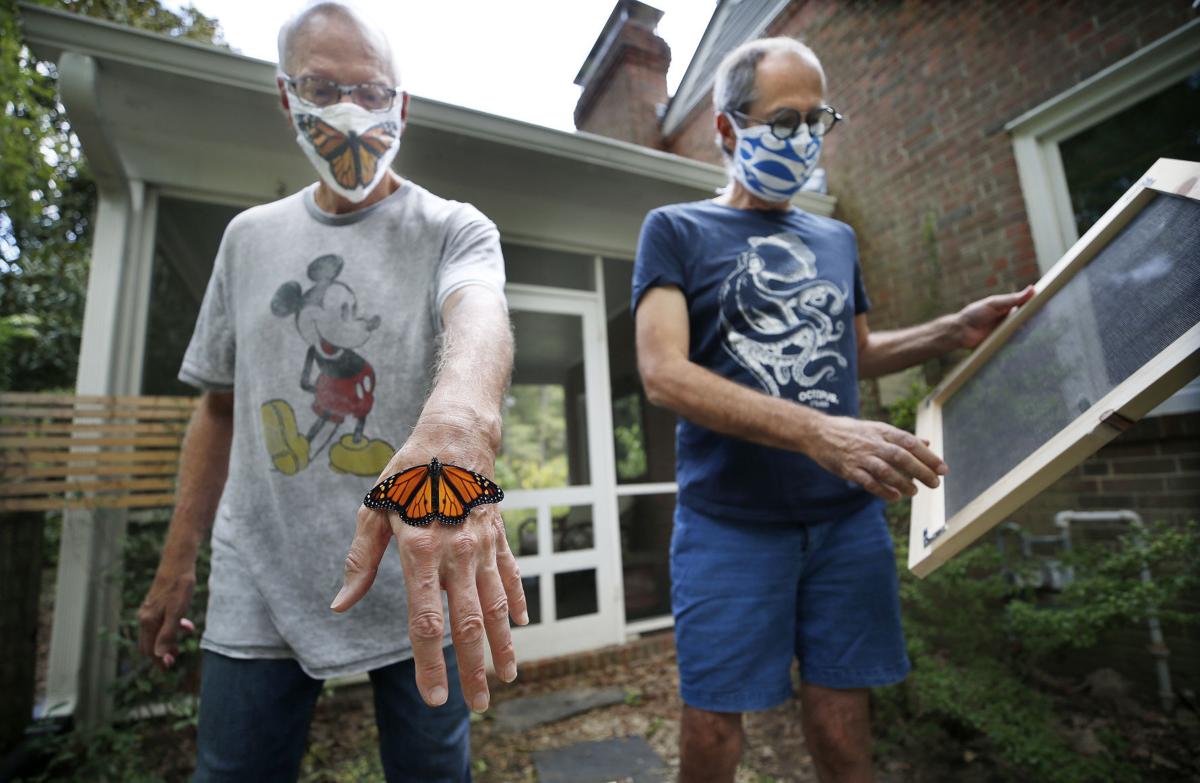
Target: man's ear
[
  {"x": 284, "y": 98},
  {"x": 403, "y": 107},
  {"x": 725, "y": 135}
]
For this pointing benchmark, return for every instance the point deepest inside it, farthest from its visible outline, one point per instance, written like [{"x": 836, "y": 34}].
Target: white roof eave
[{"x": 51, "y": 32}]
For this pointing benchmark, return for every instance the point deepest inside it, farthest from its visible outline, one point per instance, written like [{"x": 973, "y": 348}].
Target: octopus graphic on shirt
[
  {"x": 781, "y": 322},
  {"x": 340, "y": 379}
]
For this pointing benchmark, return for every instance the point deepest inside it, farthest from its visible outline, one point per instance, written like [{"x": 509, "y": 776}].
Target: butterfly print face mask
[{"x": 350, "y": 147}]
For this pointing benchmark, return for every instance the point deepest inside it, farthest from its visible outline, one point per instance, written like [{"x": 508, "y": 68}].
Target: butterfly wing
[
  {"x": 378, "y": 138},
  {"x": 421, "y": 508},
  {"x": 399, "y": 491},
  {"x": 335, "y": 147},
  {"x": 356, "y": 164},
  {"x": 450, "y": 506},
  {"x": 328, "y": 140},
  {"x": 468, "y": 490}
]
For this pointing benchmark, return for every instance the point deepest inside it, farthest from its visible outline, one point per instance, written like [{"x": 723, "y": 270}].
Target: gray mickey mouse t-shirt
[{"x": 325, "y": 329}]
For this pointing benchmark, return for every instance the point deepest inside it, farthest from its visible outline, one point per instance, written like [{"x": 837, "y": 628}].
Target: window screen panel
[{"x": 1136, "y": 297}]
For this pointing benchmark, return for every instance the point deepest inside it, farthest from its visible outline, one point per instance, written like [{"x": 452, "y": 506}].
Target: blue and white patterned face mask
[{"x": 771, "y": 168}]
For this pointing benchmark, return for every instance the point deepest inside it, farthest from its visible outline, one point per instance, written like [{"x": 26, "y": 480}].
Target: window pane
[
  {"x": 533, "y": 598},
  {"x": 643, "y": 434},
  {"x": 1106, "y": 160},
  {"x": 575, "y": 593},
  {"x": 629, "y": 441},
  {"x": 572, "y": 526},
  {"x": 520, "y": 527},
  {"x": 545, "y": 412},
  {"x": 538, "y": 266},
  {"x": 186, "y": 237},
  {"x": 645, "y": 542}
]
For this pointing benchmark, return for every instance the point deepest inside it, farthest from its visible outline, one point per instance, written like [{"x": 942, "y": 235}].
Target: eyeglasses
[
  {"x": 786, "y": 122},
  {"x": 326, "y": 92}
]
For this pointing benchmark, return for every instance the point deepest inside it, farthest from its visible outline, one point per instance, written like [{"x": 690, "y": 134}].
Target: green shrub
[{"x": 975, "y": 639}]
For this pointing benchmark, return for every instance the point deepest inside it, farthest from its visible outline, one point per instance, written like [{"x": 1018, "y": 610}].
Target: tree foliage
[{"x": 47, "y": 196}]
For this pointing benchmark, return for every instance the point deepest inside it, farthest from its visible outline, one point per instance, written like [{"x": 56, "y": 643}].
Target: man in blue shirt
[{"x": 751, "y": 325}]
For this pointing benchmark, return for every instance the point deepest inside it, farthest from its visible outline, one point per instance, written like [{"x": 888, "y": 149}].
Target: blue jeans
[{"x": 254, "y": 717}]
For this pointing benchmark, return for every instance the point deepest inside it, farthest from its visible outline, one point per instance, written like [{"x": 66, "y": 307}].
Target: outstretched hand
[
  {"x": 471, "y": 561},
  {"x": 979, "y": 319}
]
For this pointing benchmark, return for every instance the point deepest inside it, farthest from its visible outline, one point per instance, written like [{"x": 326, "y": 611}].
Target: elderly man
[
  {"x": 315, "y": 350},
  {"x": 752, "y": 326}
]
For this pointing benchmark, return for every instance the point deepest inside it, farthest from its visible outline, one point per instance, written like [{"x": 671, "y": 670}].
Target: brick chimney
[{"x": 624, "y": 77}]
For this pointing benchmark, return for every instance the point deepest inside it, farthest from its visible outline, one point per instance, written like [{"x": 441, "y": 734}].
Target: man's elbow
[
  {"x": 659, "y": 383},
  {"x": 218, "y": 405}
]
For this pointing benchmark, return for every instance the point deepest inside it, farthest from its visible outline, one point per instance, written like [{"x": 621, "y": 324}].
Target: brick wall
[
  {"x": 1153, "y": 469},
  {"x": 924, "y": 170}
]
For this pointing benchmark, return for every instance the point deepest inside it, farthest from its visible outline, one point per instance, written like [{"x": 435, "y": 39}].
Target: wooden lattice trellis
[{"x": 60, "y": 451}]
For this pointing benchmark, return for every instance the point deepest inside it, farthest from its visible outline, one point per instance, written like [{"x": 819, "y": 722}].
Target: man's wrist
[
  {"x": 952, "y": 332},
  {"x": 177, "y": 562},
  {"x": 805, "y": 429},
  {"x": 477, "y": 426}
]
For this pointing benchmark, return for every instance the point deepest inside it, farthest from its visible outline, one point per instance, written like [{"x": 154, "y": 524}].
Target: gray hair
[
  {"x": 734, "y": 85},
  {"x": 372, "y": 33}
]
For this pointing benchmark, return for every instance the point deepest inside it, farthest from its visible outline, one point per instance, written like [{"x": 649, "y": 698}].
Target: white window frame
[{"x": 1037, "y": 134}]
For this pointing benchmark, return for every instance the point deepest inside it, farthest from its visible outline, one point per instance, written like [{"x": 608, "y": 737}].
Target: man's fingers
[
  {"x": 165, "y": 643},
  {"x": 466, "y": 619},
  {"x": 1006, "y": 302},
  {"x": 371, "y": 538},
  {"x": 904, "y": 461},
  {"x": 1024, "y": 295},
  {"x": 889, "y": 476},
  {"x": 426, "y": 629},
  {"x": 869, "y": 483},
  {"x": 494, "y": 603},
  {"x": 919, "y": 448},
  {"x": 149, "y": 621},
  {"x": 510, "y": 576}
]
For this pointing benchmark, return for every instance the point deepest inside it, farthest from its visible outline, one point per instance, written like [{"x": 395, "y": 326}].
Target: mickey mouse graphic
[{"x": 343, "y": 384}]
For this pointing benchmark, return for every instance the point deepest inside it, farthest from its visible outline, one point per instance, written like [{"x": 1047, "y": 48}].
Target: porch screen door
[{"x": 556, "y": 470}]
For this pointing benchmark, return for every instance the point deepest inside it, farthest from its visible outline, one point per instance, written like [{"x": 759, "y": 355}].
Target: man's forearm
[
  {"x": 203, "y": 467},
  {"x": 474, "y": 367},
  {"x": 897, "y": 349},
  {"x": 721, "y": 405}
]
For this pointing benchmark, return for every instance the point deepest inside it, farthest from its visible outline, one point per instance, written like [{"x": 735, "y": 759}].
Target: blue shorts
[{"x": 749, "y": 597}]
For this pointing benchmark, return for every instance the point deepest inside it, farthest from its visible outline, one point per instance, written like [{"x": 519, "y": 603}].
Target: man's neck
[
  {"x": 329, "y": 201},
  {"x": 739, "y": 198}
]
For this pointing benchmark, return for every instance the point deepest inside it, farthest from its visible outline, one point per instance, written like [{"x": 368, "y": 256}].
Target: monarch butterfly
[
  {"x": 424, "y": 493},
  {"x": 353, "y": 158}
]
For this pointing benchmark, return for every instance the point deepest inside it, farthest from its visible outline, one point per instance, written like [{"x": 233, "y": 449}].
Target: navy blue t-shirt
[{"x": 771, "y": 302}]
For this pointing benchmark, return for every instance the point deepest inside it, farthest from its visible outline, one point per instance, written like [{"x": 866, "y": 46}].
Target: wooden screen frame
[{"x": 933, "y": 539}]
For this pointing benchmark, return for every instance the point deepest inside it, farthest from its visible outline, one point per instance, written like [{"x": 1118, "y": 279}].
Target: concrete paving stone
[
  {"x": 518, "y": 715},
  {"x": 625, "y": 759}
]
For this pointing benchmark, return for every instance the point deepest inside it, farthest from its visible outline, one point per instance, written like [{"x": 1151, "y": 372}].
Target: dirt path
[{"x": 775, "y": 749}]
